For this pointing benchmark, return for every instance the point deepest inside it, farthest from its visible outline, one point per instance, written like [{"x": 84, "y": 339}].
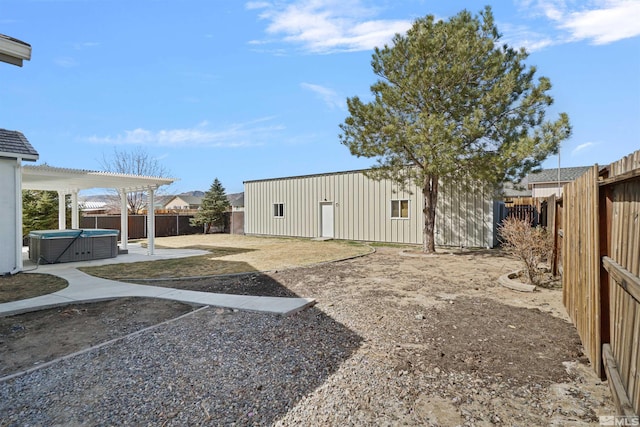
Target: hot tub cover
[{"x": 62, "y": 234}]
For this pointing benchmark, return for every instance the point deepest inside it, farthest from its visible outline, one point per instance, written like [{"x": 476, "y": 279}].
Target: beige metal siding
[
  {"x": 362, "y": 210},
  {"x": 544, "y": 190}
]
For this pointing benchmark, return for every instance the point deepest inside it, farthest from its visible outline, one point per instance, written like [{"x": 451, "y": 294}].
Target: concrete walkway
[{"x": 85, "y": 288}]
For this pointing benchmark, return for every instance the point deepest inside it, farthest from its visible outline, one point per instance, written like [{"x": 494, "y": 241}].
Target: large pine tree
[
  {"x": 453, "y": 103},
  {"x": 214, "y": 206}
]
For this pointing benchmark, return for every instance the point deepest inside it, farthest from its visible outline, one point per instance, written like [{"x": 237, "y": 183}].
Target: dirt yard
[
  {"x": 26, "y": 340},
  {"x": 440, "y": 343}
]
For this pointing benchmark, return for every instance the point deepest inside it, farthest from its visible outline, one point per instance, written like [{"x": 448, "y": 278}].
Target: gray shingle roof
[
  {"x": 14, "y": 142},
  {"x": 236, "y": 200},
  {"x": 551, "y": 175},
  {"x": 192, "y": 200}
]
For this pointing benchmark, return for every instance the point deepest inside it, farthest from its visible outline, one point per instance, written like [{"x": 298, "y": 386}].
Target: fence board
[
  {"x": 623, "y": 267},
  {"x": 597, "y": 235},
  {"x": 524, "y": 213},
  {"x": 619, "y": 394},
  {"x": 581, "y": 266}
]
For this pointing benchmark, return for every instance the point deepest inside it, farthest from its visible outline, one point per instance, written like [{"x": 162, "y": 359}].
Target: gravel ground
[
  {"x": 216, "y": 365},
  {"x": 393, "y": 341}
]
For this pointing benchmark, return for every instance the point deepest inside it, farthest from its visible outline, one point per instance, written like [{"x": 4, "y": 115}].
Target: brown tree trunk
[{"x": 430, "y": 196}]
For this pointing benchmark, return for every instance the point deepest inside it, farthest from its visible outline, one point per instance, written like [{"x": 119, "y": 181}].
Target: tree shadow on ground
[
  {"x": 253, "y": 283},
  {"x": 193, "y": 266},
  {"x": 216, "y": 251}
]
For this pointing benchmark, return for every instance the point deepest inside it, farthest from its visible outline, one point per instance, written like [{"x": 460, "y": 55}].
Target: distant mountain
[
  {"x": 236, "y": 199},
  {"x": 195, "y": 193},
  {"x": 99, "y": 198}
]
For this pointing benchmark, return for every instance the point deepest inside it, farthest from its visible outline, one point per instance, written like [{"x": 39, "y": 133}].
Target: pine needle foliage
[
  {"x": 452, "y": 102},
  {"x": 214, "y": 206}
]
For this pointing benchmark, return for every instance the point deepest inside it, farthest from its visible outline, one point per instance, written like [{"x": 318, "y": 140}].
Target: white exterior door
[{"x": 326, "y": 226}]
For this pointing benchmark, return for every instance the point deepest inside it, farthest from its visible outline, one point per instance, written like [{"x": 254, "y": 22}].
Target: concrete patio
[{"x": 85, "y": 288}]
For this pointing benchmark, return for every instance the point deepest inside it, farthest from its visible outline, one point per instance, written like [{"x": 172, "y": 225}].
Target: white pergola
[{"x": 72, "y": 181}]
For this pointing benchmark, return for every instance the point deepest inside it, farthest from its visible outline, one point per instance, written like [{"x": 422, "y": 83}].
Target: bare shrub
[{"x": 532, "y": 245}]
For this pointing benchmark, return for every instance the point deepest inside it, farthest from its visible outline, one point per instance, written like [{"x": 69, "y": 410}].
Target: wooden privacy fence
[
  {"x": 597, "y": 232},
  {"x": 523, "y": 212},
  {"x": 166, "y": 225}
]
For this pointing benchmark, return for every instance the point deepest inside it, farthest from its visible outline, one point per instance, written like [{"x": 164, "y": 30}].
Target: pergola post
[
  {"x": 74, "y": 210},
  {"x": 151, "y": 220},
  {"x": 62, "y": 210},
  {"x": 124, "y": 220}
]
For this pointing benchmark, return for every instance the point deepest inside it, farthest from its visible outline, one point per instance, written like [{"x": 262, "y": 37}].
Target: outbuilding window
[
  {"x": 400, "y": 209},
  {"x": 278, "y": 210}
]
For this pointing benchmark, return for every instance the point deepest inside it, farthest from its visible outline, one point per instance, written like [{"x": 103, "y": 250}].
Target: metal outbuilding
[{"x": 351, "y": 206}]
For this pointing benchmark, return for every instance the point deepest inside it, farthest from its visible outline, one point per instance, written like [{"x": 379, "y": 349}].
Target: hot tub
[{"x": 54, "y": 246}]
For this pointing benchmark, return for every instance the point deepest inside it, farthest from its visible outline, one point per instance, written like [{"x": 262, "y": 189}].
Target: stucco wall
[{"x": 8, "y": 211}]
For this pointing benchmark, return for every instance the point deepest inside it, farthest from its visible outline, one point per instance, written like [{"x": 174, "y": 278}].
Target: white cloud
[
  {"x": 616, "y": 20},
  {"x": 582, "y": 147},
  {"x": 329, "y": 96},
  {"x": 521, "y": 36},
  {"x": 236, "y": 135},
  {"x": 84, "y": 45},
  {"x": 596, "y": 21},
  {"x": 325, "y": 26},
  {"x": 65, "y": 62},
  {"x": 257, "y": 5}
]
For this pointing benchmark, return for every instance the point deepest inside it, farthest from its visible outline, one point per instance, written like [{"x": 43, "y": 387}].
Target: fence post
[{"x": 557, "y": 235}]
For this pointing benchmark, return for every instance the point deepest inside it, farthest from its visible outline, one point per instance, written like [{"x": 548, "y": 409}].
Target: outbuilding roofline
[{"x": 314, "y": 175}]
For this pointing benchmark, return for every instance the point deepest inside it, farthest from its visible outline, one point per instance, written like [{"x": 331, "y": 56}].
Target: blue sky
[{"x": 249, "y": 90}]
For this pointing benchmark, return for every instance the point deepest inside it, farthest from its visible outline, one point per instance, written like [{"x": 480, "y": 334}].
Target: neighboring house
[
  {"x": 183, "y": 202},
  {"x": 516, "y": 194},
  {"x": 14, "y": 149},
  {"x": 546, "y": 182},
  {"x": 99, "y": 204},
  {"x": 236, "y": 200},
  {"x": 540, "y": 184},
  {"x": 93, "y": 207},
  {"x": 350, "y": 206},
  {"x": 236, "y": 220}
]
